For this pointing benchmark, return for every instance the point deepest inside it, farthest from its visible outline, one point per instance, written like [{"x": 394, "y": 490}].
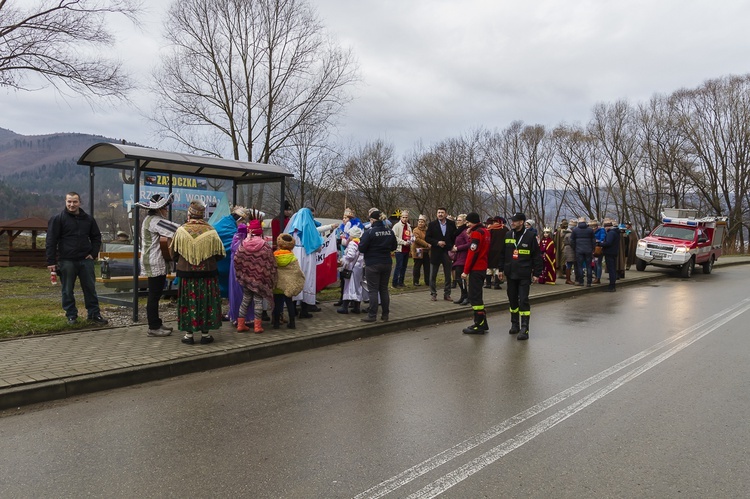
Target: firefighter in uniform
[
  {"x": 521, "y": 263},
  {"x": 474, "y": 270}
]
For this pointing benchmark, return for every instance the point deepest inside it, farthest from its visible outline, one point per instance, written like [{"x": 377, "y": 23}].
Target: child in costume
[
  {"x": 255, "y": 267},
  {"x": 354, "y": 261},
  {"x": 289, "y": 281}
]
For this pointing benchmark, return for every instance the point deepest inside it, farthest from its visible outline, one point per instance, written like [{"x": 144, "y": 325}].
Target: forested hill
[{"x": 37, "y": 170}]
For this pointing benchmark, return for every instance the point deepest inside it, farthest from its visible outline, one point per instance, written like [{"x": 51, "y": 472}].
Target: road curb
[{"x": 47, "y": 391}]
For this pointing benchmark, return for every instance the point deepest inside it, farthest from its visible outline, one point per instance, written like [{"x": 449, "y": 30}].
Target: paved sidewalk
[{"x": 44, "y": 368}]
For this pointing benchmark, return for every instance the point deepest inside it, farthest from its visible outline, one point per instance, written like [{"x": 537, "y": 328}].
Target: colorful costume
[{"x": 549, "y": 255}]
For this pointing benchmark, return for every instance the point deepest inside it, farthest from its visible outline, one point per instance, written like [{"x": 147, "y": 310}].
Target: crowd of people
[{"x": 232, "y": 259}]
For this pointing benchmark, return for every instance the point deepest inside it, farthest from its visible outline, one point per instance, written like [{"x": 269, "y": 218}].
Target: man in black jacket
[
  {"x": 521, "y": 263},
  {"x": 377, "y": 244},
  {"x": 73, "y": 243},
  {"x": 441, "y": 234},
  {"x": 583, "y": 241}
]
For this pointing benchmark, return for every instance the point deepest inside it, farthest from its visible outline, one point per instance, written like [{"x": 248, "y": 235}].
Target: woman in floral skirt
[{"x": 197, "y": 247}]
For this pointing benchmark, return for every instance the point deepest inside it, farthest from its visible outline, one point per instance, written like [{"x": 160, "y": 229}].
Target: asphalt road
[{"x": 639, "y": 393}]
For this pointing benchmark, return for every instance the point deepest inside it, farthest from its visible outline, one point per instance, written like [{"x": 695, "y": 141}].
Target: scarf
[{"x": 197, "y": 241}]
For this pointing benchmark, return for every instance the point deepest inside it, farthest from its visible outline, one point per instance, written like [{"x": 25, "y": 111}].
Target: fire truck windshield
[{"x": 684, "y": 233}]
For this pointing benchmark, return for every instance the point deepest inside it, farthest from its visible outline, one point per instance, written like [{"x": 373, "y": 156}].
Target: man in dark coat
[
  {"x": 498, "y": 231},
  {"x": 610, "y": 250},
  {"x": 73, "y": 243},
  {"x": 521, "y": 263},
  {"x": 583, "y": 241},
  {"x": 441, "y": 235},
  {"x": 376, "y": 245}
]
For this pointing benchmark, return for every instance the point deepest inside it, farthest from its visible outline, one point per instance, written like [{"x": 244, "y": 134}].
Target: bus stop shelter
[{"x": 137, "y": 159}]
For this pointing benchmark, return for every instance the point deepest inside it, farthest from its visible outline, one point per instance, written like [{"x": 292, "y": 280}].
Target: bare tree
[
  {"x": 715, "y": 121},
  {"x": 244, "y": 76},
  {"x": 374, "y": 174},
  {"x": 48, "y": 42}
]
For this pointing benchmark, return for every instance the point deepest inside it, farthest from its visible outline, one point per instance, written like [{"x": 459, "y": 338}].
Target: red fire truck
[{"x": 682, "y": 241}]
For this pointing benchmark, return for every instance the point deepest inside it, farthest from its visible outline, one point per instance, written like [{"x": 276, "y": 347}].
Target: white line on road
[
  {"x": 403, "y": 478},
  {"x": 449, "y": 480}
]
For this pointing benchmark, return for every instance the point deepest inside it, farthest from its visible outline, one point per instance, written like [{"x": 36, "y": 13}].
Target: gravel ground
[{"x": 123, "y": 316}]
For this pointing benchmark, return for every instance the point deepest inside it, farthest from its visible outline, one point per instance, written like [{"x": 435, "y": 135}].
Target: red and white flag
[{"x": 327, "y": 263}]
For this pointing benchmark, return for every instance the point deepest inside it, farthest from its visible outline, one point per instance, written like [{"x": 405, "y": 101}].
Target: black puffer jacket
[
  {"x": 377, "y": 243},
  {"x": 582, "y": 239},
  {"x": 72, "y": 237}
]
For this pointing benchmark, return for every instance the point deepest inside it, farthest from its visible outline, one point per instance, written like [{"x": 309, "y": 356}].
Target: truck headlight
[
  {"x": 681, "y": 249},
  {"x": 642, "y": 244}
]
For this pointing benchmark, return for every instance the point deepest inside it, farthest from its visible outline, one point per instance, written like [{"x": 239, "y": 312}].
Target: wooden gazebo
[{"x": 22, "y": 257}]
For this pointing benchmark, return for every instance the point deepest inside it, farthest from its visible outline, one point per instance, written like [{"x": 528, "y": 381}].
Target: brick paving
[{"x": 35, "y": 369}]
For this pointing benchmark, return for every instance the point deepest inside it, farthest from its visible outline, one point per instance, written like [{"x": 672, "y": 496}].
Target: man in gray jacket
[{"x": 583, "y": 241}]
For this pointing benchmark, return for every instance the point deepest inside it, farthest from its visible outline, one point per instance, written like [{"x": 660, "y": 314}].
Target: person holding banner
[
  {"x": 156, "y": 229},
  {"x": 307, "y": 247}
]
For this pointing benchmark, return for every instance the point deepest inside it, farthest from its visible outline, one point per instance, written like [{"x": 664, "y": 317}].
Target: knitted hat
[
  {"x": 355, "y": 232},
  {"x": 472, "y": 218},
  {"x": 197, "y": 209},
  {"x": 255, "y": 228},
  {"x": 530, "y": 222},
  {"x": 285, "y": 242}
]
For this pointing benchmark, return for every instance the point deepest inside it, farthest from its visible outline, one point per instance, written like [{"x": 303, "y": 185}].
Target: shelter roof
[
  {"x": 30, "y": 223},
  {"x": 122, "y": 156}
]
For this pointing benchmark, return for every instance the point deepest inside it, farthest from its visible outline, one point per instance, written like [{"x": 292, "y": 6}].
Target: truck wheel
[
  {"x": 640, "y": 265},
  {"x": 687, "y": 269},
  {"x": 708, "y": 266}
]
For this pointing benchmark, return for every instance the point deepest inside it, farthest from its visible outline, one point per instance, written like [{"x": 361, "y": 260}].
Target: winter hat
[
  {"x": 285, "y": 242},
  {"x": 255, "y": 228},
  {"x": 197, "y": 209},
  {"x": 242, "y": 229},
  {"x": 530, "y": 222},
  {"x": 472, "y": 218},
  {"x": 156, "y": 202},
  {"x": 355, "y": 232}
]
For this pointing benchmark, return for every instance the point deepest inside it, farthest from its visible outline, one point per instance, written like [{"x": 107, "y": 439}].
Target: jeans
[
  {"x": 444, "y": 260},
  {"x": 402, "y": 260},
  {"x": 377, "y": 286},
  {"x": 584, "y": 264},
  {"x": 155, "y": 290},
  {"x": 83, "y": 270}
]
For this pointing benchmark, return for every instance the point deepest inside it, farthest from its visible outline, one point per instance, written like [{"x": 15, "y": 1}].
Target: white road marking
[
  {"x": 405, "y": 477},
  {"x": 449, "y": 480}
]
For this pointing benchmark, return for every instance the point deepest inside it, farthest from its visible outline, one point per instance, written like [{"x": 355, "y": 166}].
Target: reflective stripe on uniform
[
  {"x": 524, "y": 252},
  {"x": 514, "y": 310},
  {"x": 524, "y": 312}
]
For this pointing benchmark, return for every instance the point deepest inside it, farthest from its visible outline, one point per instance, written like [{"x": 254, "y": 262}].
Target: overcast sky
[{"x": 433, "y": 69}]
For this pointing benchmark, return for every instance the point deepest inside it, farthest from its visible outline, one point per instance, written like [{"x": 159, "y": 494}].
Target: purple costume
[{"x": 235, "y": 290}]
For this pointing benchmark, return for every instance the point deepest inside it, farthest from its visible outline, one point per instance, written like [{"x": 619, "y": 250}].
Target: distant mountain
[{"x": 37, "y": 170}]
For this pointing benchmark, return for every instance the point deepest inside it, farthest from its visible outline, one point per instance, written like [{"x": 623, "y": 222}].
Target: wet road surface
[{"x": 642, "y": 393}]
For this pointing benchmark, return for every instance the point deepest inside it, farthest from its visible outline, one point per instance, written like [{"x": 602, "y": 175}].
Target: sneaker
[
  {"x": 206, "y": 339},
  {"x": 72, "y": 320},
  {"x": 98, "y": 319},
  {"x": 188, "y": 340},
  {"x": 159, "y": 332}
]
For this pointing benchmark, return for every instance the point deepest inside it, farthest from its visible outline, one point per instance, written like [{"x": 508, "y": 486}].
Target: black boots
[
  {"x": 496, "y": 282},
  {"x": 480, "y": 323},
  {"x": 344, "y": 308},
  {"x": 304, "y": 312},
  {"x": 464, "y": 299},
  {"x": 355, "y": 307},
  {"x": 515, "y": 327},
  {"x": 524, "y": 334},
  {"x": 488, "y": 282}
]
